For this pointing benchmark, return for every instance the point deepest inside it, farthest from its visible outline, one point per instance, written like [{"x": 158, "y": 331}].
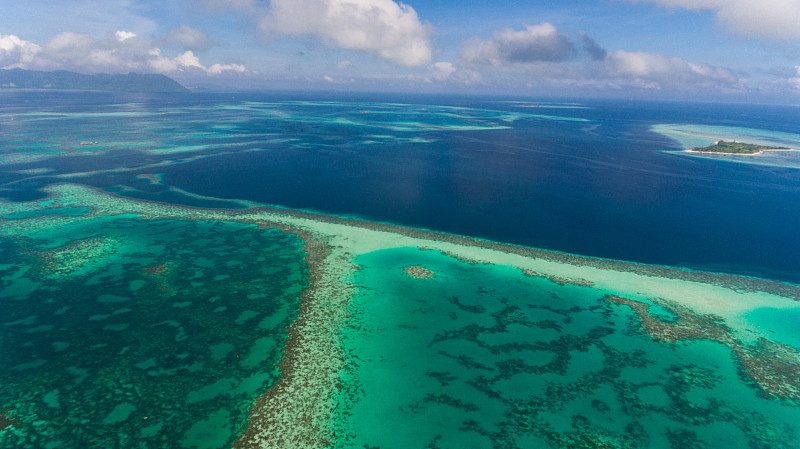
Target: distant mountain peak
[{"x": 62, "y": 79}]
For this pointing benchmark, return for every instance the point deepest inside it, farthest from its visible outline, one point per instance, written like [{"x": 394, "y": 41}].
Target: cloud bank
[
  {"x": 654, "y": 70},
  {"x": 536, "y": 43},
  {"x": 15, "y": 52},
  {"x": 541, "y": 55},
  {"x": 390, "y": 30},
  {"x": 771, "y": 19},
  {"x": 119, "y": 52}
]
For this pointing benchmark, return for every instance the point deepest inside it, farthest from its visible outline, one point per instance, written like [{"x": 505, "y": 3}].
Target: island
[
  {"x": 734, "y": 147},
  {"x": 64, "y": 80}
]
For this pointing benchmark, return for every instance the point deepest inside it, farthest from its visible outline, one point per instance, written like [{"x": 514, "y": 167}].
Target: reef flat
[
  {"x": 727, "y": 143},
  {"x": 124, "y": 332},
  {"x": 734, "y": 147},
  {"x": 450, "y": 341}
]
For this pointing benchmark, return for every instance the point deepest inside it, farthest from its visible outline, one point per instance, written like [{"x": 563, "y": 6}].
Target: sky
[{"x": 718, "y": 50}]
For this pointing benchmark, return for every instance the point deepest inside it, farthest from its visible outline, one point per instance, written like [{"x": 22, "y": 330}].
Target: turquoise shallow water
[
  {"x": 121, "y": 332},
  {"x": 483, "y": 356},
  {"x": 782, "y": 325}
]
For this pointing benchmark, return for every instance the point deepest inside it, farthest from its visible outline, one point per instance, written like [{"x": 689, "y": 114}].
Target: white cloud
[
  {"x": 188, "y": 62},
  {"x": 795, "y": 82},
  {"x": 69, "y": 43},
  {"x": 219, "y": 69},
  {"x": 124, "y": 35},
  {"x": 656, "y": 71},
  {"x": 119, "y": 52},
  {"x": 344, "y": 65},
  {"x": 442, "y": 70},
  {"x": 541, "y": 56},
  {"x": 391, "y": 30},
  {"x": 535, "y": 44},
  {"x": 183, "y": 61},
  {"x": 772, "y": 19},
  {"x": 15, "y": 52}
]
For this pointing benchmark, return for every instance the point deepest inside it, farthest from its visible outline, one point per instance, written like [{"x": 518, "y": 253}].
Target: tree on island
[{"x": 735, "y": 147}]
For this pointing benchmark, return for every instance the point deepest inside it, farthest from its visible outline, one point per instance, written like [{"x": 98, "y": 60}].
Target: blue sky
[{"x": 735, "y": 50}]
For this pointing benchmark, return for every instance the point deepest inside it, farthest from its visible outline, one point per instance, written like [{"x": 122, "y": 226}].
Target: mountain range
[{"x": 61, "y": 79}]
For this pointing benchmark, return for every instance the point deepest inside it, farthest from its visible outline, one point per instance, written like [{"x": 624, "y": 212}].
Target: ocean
[
  {"x": 183, "y": 270},
  {"x": 588, "y": 178}
]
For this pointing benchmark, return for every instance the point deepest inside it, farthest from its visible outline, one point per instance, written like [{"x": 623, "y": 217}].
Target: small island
[{"x": 734, "y": 147}]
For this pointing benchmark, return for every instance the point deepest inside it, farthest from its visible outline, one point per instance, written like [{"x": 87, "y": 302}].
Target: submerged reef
[
  {"x": 336, "y": 329},
  {"x": 416, "y": 271},
  {"x": 78, "y": 255},
  {"x": 7, "y": 419},
  {"x": 559, "y": 280},
  {"x": 687, "y": 324},
  {"x": 774, "y": 367}
]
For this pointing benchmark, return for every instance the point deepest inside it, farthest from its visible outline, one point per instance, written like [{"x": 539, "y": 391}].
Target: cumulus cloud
[
  {"x": 15, "y": 52},
  {"x": 390, "y": 30},
  {"x": 119, "y": 52},
  {"x": 772, "y": 19},
  {"x": 81, "y": 52},
  {"x": 183, "y": 61},
  {"x": 189, "y": 38},
  {"x": 219, "y": 69},
  {"x": 442, "y": 70},
  {"x": 534, "y": 44},
  {"x": 541, "y": 55},
  {"x": 124, "y": 35}
]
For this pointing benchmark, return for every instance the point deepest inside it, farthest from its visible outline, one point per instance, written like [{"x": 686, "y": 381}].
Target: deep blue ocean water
[{"x": 508, "y": 171}]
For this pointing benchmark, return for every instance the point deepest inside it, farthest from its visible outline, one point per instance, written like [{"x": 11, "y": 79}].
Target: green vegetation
[
  {"x": 132, "y": 82},
  {"x": 735, "y": 148}
]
